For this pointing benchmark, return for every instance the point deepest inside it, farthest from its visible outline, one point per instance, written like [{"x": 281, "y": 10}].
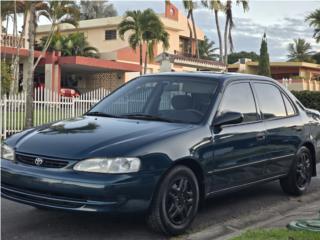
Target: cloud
[
  {"x": 247, "y": 34},
  {"x": 274, "y": 18}
]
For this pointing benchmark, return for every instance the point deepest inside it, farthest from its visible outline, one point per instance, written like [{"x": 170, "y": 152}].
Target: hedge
[{"x": 309, "y": 99}]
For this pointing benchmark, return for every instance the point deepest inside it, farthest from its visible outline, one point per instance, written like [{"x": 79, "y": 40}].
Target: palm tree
[
  {"x": 216, "y": 6},
  {"x": 133, "y": 23},
  {"x": 229, "y": 26},
  {"x": 154, "y": 33},
  {"x": 96, "y": 9},
  {"x": 300, "y": 51},
  {"x": 206, "y": 49},
  {"x": 74, "y": 44},
  {"x": 160, "y": 37},
  {"x": 144, "y": 28},
  {"x": 314, "y": 21},
  {"x": 57, "y": 12},
  {"x": 190, "y": 5}
]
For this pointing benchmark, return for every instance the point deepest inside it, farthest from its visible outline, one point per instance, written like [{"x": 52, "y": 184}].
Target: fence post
[
  {"x": 5, "y": 117},
  {"x": 73, "y": 107},
  {"x": 1, "y": 118}
]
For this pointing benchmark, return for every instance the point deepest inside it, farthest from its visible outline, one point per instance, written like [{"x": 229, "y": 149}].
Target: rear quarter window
[{"x": 289, "y": 107}]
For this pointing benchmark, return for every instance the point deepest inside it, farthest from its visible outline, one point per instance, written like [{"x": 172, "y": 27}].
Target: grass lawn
[{"x": 277, "y": 234}]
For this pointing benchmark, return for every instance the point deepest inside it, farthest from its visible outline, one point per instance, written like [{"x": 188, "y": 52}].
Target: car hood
[{"x": 89, "y": 136}]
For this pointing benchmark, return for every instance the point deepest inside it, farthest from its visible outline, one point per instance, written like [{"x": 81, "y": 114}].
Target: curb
[{"x": 234, "y": 227}]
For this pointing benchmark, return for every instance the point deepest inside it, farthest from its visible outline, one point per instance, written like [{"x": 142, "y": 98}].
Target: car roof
[{"x": 220, "y": 76}]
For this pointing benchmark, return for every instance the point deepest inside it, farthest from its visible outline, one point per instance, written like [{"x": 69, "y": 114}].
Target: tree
[
  {"x": 264, "y": 62},
  {"x": 216, "y": 6},
  {"x": 57, "y": 12},
  {"x": 96, "y": 9},
  {"x": 206, "y": 49},
  {"x": 300, "y": 51},
  {"x": 6, "y": 78},
  {"x": 142, "y": 27},
  {"x": 234, "y": 57},
  {"x": 154, "y": 33},
  {"x": 160, "y": 37},
  {"x": 12, "y": 10},
  {"x": 316, "y": 58},
  {"x": 31, "y": 7},
  {"x": 190, "y": 5},
  {"x": 74, "y": 44},
  {"x": 132, "y": 23},
  {"x": 229, "y": 24},
  {"x": 314, "y": 21}
]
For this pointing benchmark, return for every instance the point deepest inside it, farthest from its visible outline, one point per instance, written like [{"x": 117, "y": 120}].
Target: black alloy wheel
[
  {"x": 175, "y": 204},
  {"x": 303, "y": 170},
  {"x": 298, "y": 180},
  {"x": 180, "y": 200}
]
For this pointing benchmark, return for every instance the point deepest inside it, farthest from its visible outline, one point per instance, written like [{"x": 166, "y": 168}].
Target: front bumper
[{"x": 70, "y": 190}]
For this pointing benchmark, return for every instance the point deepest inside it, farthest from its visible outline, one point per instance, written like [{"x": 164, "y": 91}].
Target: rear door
[
  {"x": 239, "y": 149},
  {"x": 283, "y": 125}
]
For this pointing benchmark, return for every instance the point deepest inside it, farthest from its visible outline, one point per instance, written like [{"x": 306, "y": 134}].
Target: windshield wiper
[
  {"x": 149, "y": 117},
  {"x": 102, "y": 114}
]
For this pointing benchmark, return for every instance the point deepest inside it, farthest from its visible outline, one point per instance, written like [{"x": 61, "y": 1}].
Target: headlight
[
  {"x": 109, "y": 165},
  {"x": 7, "y": 152}
]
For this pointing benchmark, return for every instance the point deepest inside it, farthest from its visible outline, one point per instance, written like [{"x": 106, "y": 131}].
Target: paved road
[{"x": 24, "y": 222}]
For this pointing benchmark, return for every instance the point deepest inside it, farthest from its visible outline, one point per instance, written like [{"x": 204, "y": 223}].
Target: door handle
[{"x": 261, "y": 136}]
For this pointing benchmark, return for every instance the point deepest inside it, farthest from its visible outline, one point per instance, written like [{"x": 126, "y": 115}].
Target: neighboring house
[{"x": 297, "y": 76}]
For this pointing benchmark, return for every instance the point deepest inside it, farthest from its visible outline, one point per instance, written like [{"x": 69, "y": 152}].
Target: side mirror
[{"x": 228, "y": 118}]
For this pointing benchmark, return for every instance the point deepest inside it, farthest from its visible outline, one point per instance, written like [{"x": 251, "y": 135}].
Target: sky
[{"x": 282, "y": 20}]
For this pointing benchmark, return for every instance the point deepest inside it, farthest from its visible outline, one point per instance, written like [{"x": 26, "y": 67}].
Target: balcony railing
[
  {"x": 184, "y": 54},
  {"x": 12, "y": 41}
]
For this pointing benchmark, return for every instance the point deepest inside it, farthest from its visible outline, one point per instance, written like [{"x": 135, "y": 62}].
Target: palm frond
[{"x": 70, "y": 21}]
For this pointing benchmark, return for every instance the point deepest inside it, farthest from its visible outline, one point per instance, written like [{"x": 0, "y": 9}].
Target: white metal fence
[{"x": 48, "y": 107}]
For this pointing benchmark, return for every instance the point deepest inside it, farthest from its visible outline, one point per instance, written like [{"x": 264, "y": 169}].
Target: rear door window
[{"x": 270, "y": 101}]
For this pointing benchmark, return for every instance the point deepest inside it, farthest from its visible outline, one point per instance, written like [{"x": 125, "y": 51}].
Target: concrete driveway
[{"x": 24, "y": 222}]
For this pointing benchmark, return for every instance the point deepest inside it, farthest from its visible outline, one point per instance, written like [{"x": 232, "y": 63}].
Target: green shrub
[{"x": 309, "y": 99}]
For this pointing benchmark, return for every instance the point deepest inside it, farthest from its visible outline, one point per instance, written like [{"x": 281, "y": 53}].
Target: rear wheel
[
  {"x": 175, "y": 204},
  {"x": 299, "y": 177}
]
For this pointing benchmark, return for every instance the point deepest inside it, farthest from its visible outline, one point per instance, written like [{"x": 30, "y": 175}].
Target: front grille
[
  {"x": 46, "y": 162},
  {"x": 35, "y": 197}
]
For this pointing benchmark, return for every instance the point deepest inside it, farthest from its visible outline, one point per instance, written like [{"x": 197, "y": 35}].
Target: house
[
  {"x": 298, "y": 76},
  {"x": 102, "y": 34},
  {"x": 117, "y": 64}
]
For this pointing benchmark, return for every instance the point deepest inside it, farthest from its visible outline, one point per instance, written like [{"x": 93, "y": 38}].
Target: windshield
[{"x": 160, "y": 98}]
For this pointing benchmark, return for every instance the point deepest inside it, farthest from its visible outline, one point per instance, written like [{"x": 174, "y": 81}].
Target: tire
[
  {"x": 299, "y": 177},
  {"x": 175, "y": 204}
]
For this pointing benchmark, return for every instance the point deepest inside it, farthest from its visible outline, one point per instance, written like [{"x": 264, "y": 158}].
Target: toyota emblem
[{"x": 38, "y": 161}]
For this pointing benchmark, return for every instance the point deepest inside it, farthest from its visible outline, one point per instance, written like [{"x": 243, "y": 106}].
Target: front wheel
[
  {"x": 175, "y": 205},
  {"x": 299, "y": 177}
]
